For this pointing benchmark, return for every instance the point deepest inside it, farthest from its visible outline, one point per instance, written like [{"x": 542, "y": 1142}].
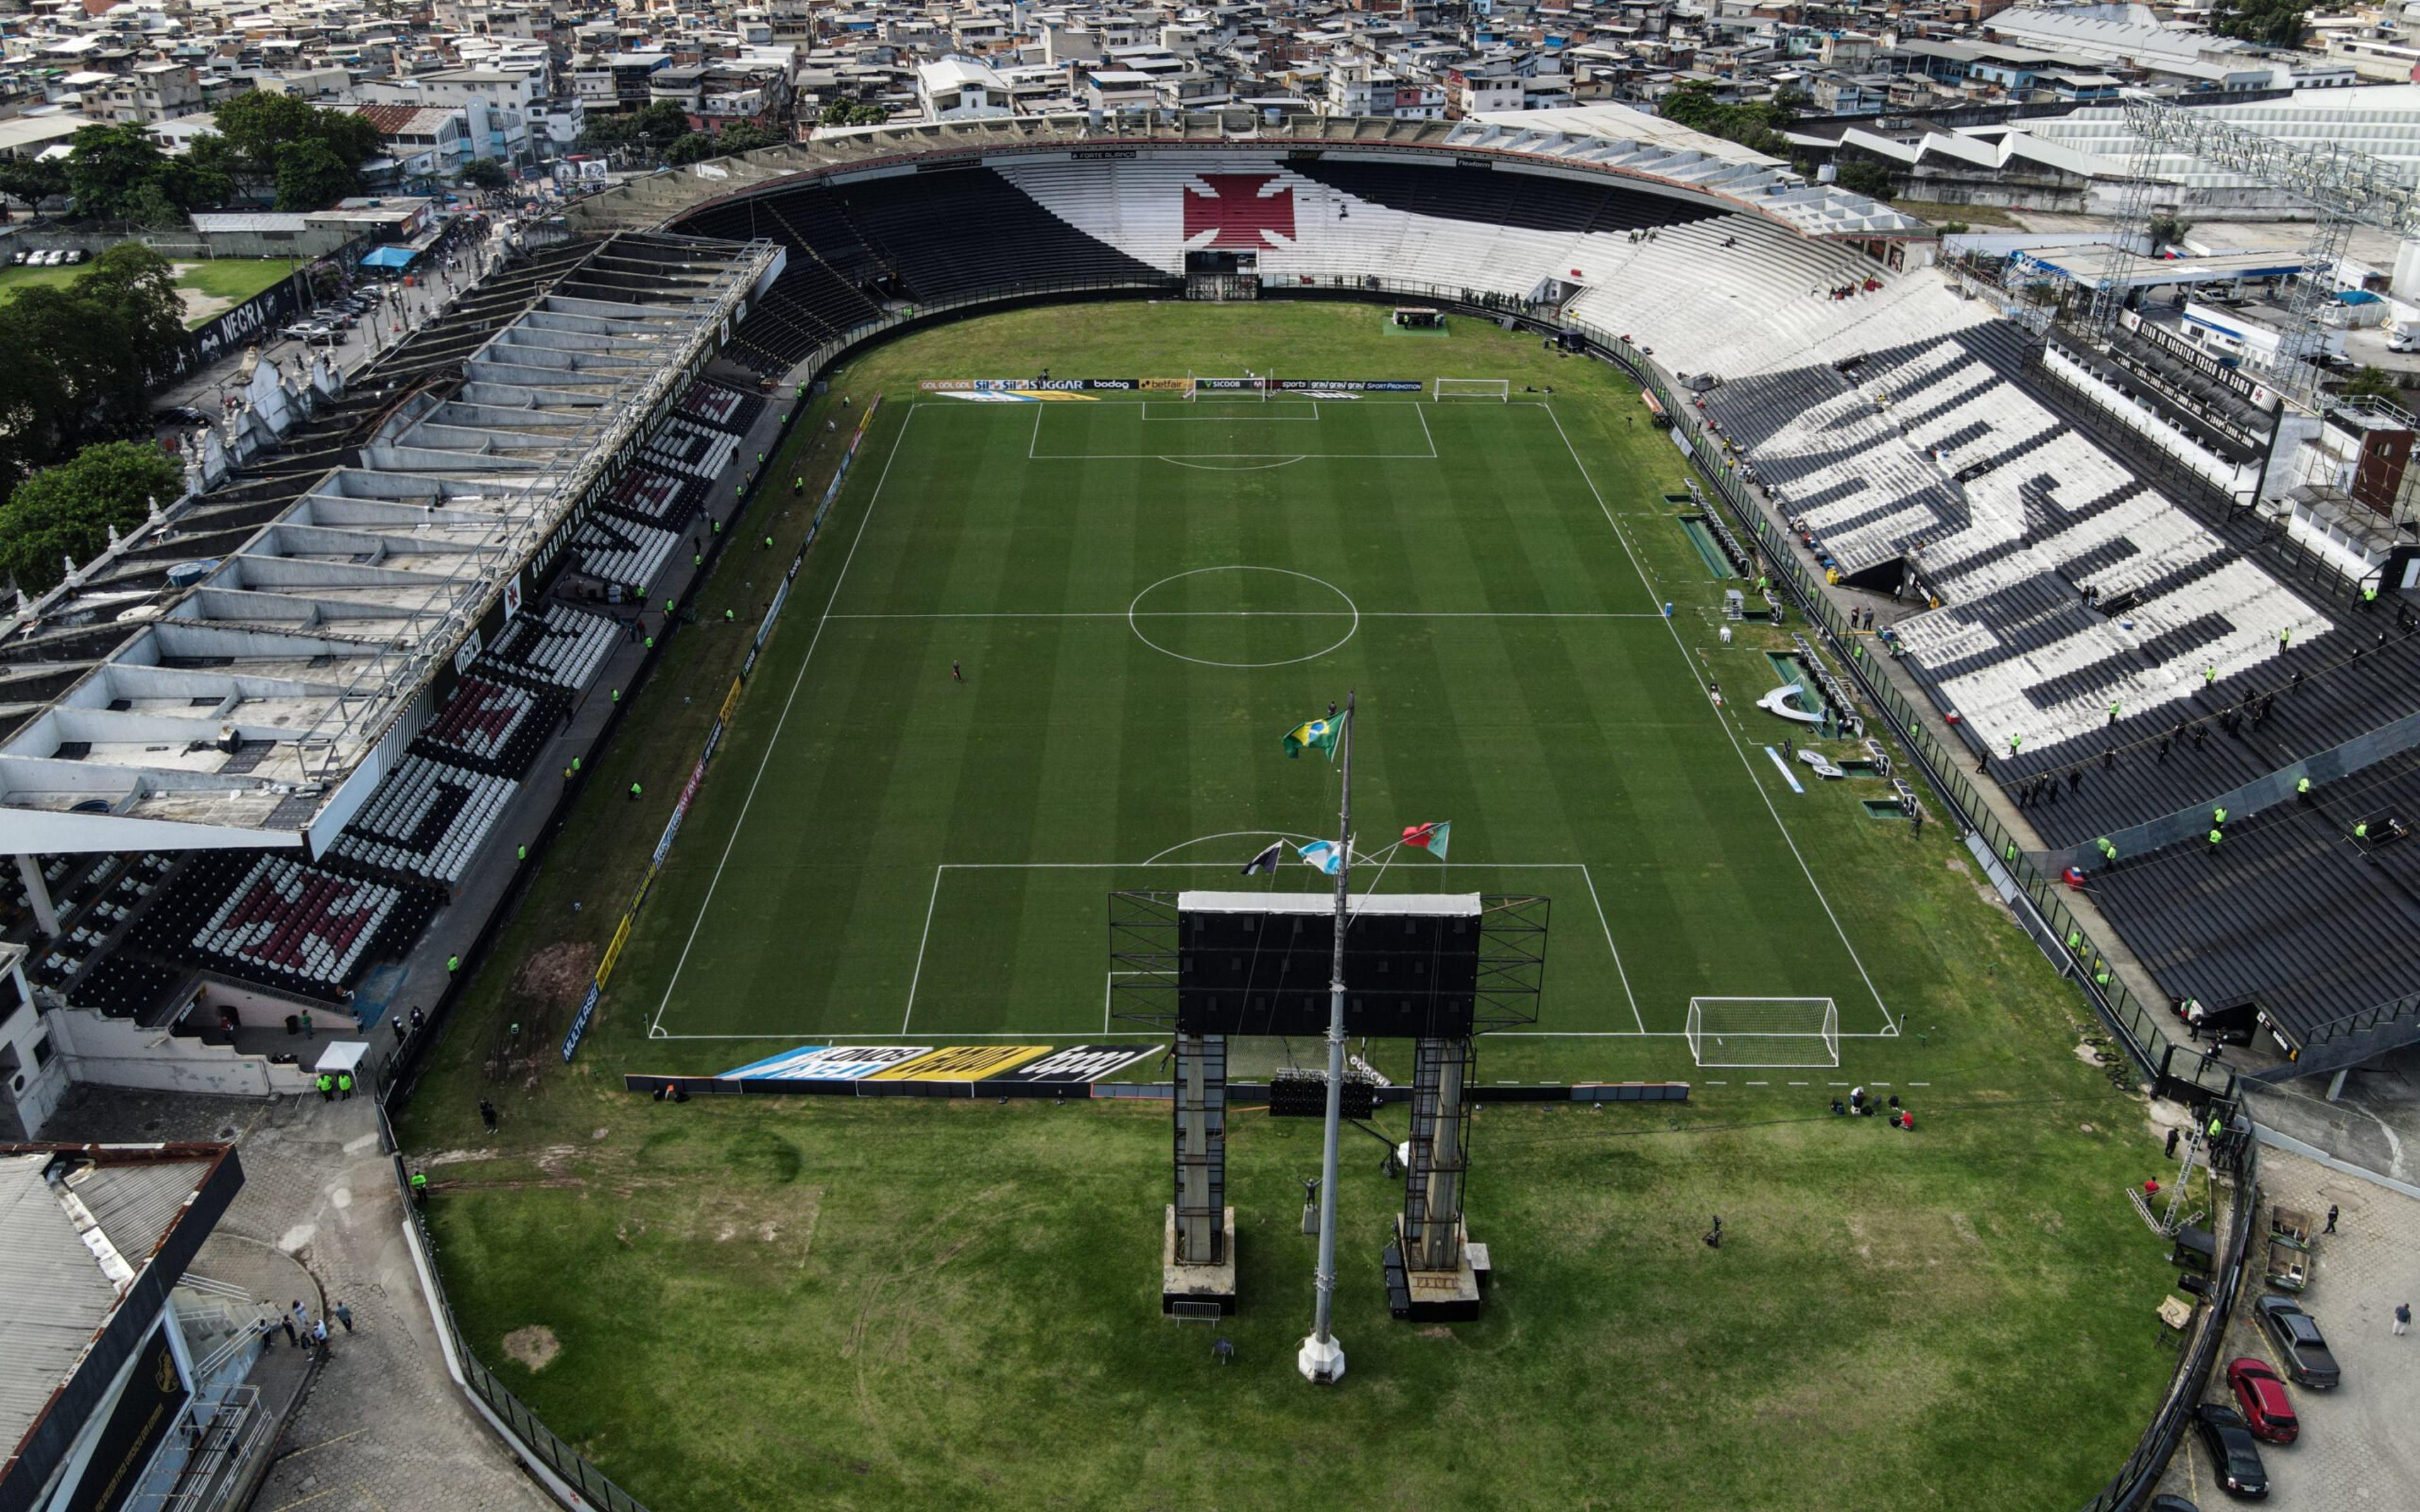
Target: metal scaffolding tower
[{"x": 2346, "y": 188}]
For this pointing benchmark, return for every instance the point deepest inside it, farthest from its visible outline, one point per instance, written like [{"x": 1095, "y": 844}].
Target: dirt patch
[
  {"x": 558, "y": 975},
  {"x": 1960, "y": 867},
  {"x": 1436, "y": 1331},
  {"x": 532, "y": 1348}
]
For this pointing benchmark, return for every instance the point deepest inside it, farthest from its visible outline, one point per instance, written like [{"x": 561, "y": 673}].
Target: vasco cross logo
[{"x": 1233, "y": 206}]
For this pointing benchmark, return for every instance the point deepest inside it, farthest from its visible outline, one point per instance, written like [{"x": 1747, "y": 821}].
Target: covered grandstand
[{"x": 264, "y": 739}]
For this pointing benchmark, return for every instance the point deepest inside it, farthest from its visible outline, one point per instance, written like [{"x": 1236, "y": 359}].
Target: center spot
[{"x": 1242, "y": 616}]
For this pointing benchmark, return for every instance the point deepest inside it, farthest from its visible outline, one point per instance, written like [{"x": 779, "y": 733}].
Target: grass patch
[
  {"x": 769, "y": 1302},
  {"x": 1936, "y": 211},
  {"x": 211, "y": 288}
]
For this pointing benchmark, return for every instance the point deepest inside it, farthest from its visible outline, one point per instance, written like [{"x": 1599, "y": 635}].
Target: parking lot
[{"x": 2358, "y": 1447}]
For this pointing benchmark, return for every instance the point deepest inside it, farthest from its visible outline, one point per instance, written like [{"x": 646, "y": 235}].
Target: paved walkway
[
  {"x": 2358, "y": 1449},
  {"x": 383, "y": 1429}
]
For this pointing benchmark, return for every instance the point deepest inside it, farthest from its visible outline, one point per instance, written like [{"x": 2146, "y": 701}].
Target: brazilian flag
[{"x": 1319, "y": 736}]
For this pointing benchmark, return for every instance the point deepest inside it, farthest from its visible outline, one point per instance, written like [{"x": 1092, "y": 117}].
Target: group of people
[{"x": 303, "y": 1331}]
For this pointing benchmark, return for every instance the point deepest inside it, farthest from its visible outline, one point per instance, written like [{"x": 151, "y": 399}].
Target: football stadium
[{"x": 1227, "y": 810}]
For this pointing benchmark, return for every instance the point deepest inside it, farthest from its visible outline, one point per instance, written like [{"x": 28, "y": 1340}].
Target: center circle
[{"x": 1242, "y": 616}]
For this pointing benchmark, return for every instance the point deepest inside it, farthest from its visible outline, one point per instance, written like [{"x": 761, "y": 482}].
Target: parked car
[
  {"x": 2170, "y": 1501},
  {"x": 299, "y": 330},
  {"x": 77, "y": 254},
  {"x": 16, "y": 259},
  {"x": 182, "y": 415},
  {"x": 2261, "y": 1396},
  {"x": 2234, "y": 1456},
  {"x": 2297, "y": 1336}
]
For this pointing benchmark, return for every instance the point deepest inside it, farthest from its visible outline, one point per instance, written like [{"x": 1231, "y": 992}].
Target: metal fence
[
  {"x": 533, "y": 1439},
  {"x": 2237, "y": 1157}
]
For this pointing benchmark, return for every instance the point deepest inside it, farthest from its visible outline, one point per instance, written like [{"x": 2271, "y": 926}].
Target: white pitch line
[
  {"x": 1257, "y": 613},
  {"x": 1423, "y": 413},
  {"x": 1607, "y": 925},
  {"x": 774, "y": 742},
  {"x": 921, "y": 940},
  {"x": 1787, "y": 838}
]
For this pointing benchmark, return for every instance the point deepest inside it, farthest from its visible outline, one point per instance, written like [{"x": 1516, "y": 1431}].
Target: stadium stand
[
  {"x": 266, "y": 919},
  {"x": 560, "y": 648},
  {"x": 425, "y": 822},
  {"x": 493, "y": 726}
]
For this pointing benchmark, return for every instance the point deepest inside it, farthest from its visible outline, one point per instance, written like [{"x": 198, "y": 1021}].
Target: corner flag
[
  {"x": 1319, "y": 736},
  {"x": 1431, "y": 838}
]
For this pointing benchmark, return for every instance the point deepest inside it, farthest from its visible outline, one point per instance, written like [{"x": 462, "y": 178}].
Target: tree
[
  {"x": 311, "y": 176},
  {"x": 108, "y": 166},
  {"x": 2167, "y": 230},
  {"x": 1757, "y": 126},
  {"x": 139, "y": 288},
  {"x": 747, "y": 136},
  {"x": 255, "y": 124},
  {"x": 79, "y": 357},
  {"x": 486, "y": 172},
  {"x": 1859, "y": 175},
  {"x": 2271, "y": 22},
  {"x": 849, "y": 113},
  {"x": 32, "y": 179},
  {"x": 695, "y": 147},
  {"x": 2372, "y": 383},
  {"x": 66, "y": 511}
]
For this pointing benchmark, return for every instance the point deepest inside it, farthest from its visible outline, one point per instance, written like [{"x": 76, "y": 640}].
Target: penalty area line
[{"x": 1737, "y": 750}]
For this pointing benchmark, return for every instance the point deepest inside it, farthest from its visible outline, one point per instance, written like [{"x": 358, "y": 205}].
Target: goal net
[
  {"x": 1764, "y": 1031},
  {"x": 1447, "y": 388},
  {"x": 1248, "y": 390}
]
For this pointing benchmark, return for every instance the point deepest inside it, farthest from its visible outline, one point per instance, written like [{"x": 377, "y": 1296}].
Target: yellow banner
[
  {"x": 613, "y": 951},
  {"x": 961, "y": 1063}
]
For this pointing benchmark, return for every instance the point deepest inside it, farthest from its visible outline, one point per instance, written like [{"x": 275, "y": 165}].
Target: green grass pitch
[
  {"x": 1142, "y": 596},
  {"x": 776, "y": 1303}
]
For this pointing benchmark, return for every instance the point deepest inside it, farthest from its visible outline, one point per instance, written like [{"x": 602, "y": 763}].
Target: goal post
[
  {"x": 1764, "y": 1031},
  {"x": 1454, "y": 388}
]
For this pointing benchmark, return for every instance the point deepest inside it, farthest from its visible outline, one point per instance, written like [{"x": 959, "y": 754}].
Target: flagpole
[{"x": 1322, "y": 1358}]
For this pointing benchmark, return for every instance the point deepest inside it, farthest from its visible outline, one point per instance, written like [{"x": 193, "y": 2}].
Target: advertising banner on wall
[{"x": 1072, "y": 1065}]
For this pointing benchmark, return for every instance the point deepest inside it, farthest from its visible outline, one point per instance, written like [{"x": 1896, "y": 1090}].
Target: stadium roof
[
  {"x": 82, "y": 1231},
  {"x": 230, "y": 674},
  {"x": 1598, "y": 140}
]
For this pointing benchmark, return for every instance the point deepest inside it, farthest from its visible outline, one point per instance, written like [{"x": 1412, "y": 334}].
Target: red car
[{"x": 2262, "y": 1397}]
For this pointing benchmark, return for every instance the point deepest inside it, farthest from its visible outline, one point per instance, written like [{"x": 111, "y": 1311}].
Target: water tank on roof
[
  {"x": 1829, "y": 174},
  {"x": 186, "y": 574}
]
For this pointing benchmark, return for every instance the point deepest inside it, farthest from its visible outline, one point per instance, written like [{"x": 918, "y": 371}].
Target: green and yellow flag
[{"x": 1319, "y": 736}]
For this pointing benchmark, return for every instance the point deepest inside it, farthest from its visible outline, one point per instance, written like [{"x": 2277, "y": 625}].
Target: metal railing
[
  {"x": 531, "y": 1437},
  {"x": 2235, "y": 1156}
]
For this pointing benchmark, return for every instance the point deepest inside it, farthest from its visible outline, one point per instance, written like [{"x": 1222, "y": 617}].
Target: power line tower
[{"x": 2343, "y": 187}]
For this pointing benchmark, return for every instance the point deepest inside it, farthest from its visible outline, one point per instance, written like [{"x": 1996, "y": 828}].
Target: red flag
[{"x": 1431, "y": 836}]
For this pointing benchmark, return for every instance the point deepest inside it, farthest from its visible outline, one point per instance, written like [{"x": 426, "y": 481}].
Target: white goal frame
[
  {"x": 1454, "y": 388},
  {"x": 1258, "y": 394},
  {"x": 1750, "y": 1032}
]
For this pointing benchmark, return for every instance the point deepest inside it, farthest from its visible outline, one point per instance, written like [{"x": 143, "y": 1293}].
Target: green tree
[
  {"x": 311, "y": 176},
  {"x": 255, "y": 124},
  {"x": 2372, "y": 383},
  {"x": 747, "y": 136},
  {"x": 138, "y": 287},
  {"x": 2271, "y": 22},
  {"x": 1862, "y": 176},
  {"x": 32, "y": 179},
  {"x": 108, "y": 166},
  {"x": 1755, "y": 126},
  {"x": 2166, "y": 230},
  {"x": 80, "y": 357},
  {"x": 486, "y": 172},
  {"x": 694, "y": 147},
  {"x": 66, "y": 511}
]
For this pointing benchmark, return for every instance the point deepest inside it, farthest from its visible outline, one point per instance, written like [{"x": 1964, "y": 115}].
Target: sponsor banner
[
  {"x": 988, "y": 396},
  {"x": 1232, "y": 385},
  {"x": 1353, "y": 385},
  {"x": 829, "y": 1063},
  {"x": 1108, "y": 385},
  {"x": 961, "y": 1063},
  {"x": 1165, "y": 385},
  {"x": 580, "y": 1021},
  {"x": 1099, "y": 154},
  {"x": 1078, "y": 1063}
]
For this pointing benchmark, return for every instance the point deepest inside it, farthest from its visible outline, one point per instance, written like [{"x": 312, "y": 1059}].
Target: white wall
[{"x": 118, "y": 1053}]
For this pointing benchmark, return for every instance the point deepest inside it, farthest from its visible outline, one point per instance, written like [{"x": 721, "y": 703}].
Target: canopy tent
[
  {"x": 343, "y": 1056},
  {"x": 397, "y": 257}
]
